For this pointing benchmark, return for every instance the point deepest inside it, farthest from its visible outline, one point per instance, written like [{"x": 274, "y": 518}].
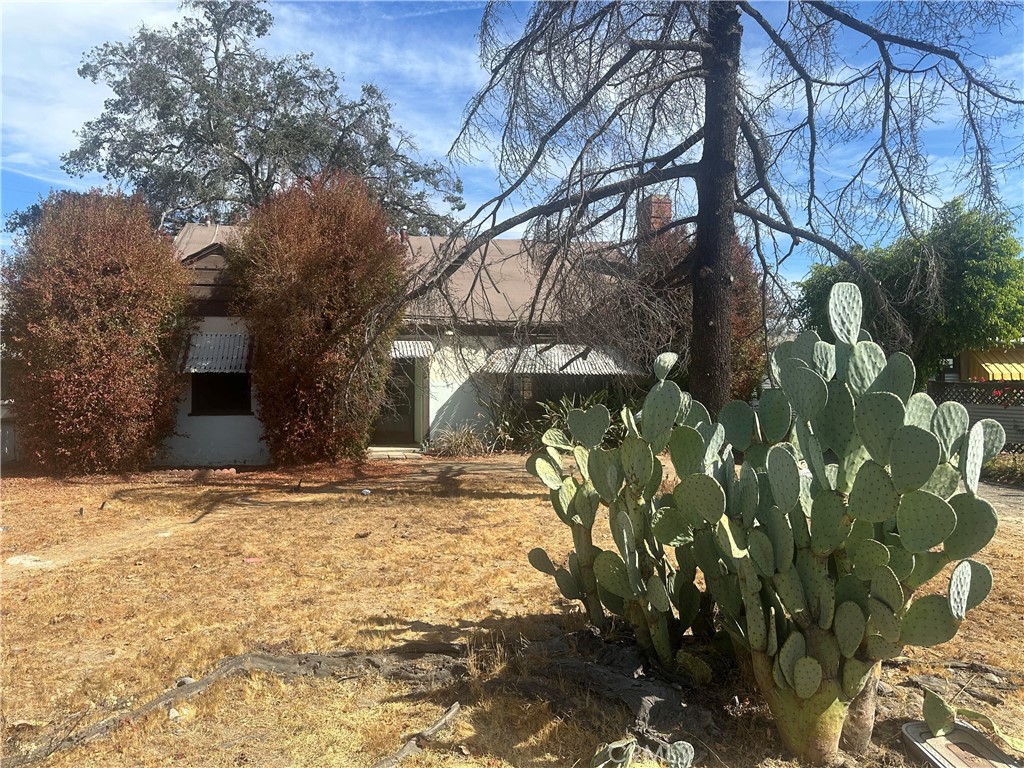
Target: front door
[{"x": 396, "y": 424}]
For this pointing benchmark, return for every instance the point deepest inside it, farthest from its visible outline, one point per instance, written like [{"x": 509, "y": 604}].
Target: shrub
[
  {"x": 462, "y": 440},
  {"x": 97, "y": 313},
  {"x": 314, "y": 269}
]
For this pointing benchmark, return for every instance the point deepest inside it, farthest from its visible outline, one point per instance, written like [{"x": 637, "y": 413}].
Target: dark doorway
[{"x": 396, "y": 424}]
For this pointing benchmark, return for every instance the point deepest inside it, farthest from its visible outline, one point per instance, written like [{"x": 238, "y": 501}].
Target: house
[{"x": 456, "y": 357}]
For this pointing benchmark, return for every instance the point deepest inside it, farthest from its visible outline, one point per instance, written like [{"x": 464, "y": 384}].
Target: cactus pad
[
  {"x": 845, "y": 308},
  {"x": 949, "y": 423},
  {"x": 611, "y": 574},
  {"x": 873, "y": 497},
  {"x": 556, "y": 438},
  {"x": 792, "y": 650},
  {"x": 661, "y": 406},
  {"x": 542, "y": 466},
  {"x": 589, "y": 426},
  {"x": 878, "y": 647},
  {"x": 663, "y": 365},
  {"x": 830, "y": 524},
  {"x": 855, "y": 674},
  {"x": 976, "y": 524},
  {"x": 806, "y": 677},
  {"x": 969, "y": 585},
  {"x": 657, "y": 594},
  {"x": 704, "y": 494},
  {"x": 900, "y": 561},
  {"x": 898, "y": 377},
  {"x": 884, "y": 620},
  {"x": 738, "y": 420},
  {"x": 761, "y": 552},
  {"x": 867, "y": 556},
  {"x": 849, "y": 624},
  {"x": 671, "y": 527},
  {"x": 920, "y": 411},
  {"x": 879, "y": 415},
  {"x": 605, "y": 473},
  {"x": 995, "y": 438},
  {"x": 823, "y": 360},
  {"x": 784, "y": 477},
  {"x": 686, "y": 448},
  {"x": 928, "y": 622},
  {"x": 924, "y": 520},
  {"x": 972, "y": 454},
  {"x": 539, "y": 559},
  {"x": 637, "y": 461},
  {"x": 791, "y": 591},
  {"x": 775, "y": 415},
  {"x": 926, "y": 565},
  {"x": 567, "y": 585},
  {"x": 806, "y": 390},
  {"x": 914, "y": 458},
  {"x": 866, "y": 361},
  {"x": 885, "y": 586},
  {"x": 835, "y": 426},
  {"x": 944, "y": 481}
]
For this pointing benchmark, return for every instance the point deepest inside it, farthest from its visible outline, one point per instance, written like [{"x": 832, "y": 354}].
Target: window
[{"x": 221, "y": 394}]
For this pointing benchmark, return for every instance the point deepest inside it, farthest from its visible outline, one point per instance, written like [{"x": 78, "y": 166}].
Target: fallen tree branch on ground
[
  {"x": 421, "y": 663},
  {"x": 415, "y": 742}
]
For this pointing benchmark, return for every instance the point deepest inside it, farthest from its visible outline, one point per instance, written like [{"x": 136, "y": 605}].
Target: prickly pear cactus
[
  {"x": 868, "y": 495},
  {"x": 852, "y": 493},
  {"x": 637, "y": 580}
]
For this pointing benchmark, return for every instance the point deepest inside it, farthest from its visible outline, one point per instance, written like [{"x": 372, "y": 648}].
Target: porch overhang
[
  {"x": 997, "y": 364},
  {"x": 217, "y": 353},
  {"x": 411, "y": 349},
  {"x": 559, "y": 360}
]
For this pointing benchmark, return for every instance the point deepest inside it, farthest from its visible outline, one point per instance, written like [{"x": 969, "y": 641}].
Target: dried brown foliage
[
  {"x": 97, "y": 311},
  {"x": 315, "y": 265},
  {"x": 610, "y": 302}
]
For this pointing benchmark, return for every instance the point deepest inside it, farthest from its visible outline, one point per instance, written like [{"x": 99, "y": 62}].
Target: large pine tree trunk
[{"x": 710, "y": 357}]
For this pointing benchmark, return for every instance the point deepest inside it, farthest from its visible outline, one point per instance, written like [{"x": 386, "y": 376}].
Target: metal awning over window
[
  {"x": 997, "y": 364},
  {"x": 218, "y": 353},
  {"x": 558, "y": 360},
  {"x": 404, "y": 349}
]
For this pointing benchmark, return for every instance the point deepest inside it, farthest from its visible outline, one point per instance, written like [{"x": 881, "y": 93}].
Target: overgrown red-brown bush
[
  {"x": 97, "y": 310},
  {"x": 315, "y": 264}
]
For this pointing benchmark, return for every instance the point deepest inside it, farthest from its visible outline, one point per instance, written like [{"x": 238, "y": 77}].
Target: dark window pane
[{"x": 220, "y": 394}]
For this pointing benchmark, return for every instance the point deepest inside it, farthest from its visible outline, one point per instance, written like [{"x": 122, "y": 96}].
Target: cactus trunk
[
  {"x": 810, "y": 728},
  {"x": 860, "y": 722},
  {"x": 584, "y": 543}
]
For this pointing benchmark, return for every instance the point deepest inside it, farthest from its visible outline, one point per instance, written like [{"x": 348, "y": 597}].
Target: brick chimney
[{"x": 652, "y": 213}]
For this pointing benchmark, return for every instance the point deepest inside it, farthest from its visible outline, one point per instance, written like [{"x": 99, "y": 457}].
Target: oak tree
[{"x": 203, "y": 122}]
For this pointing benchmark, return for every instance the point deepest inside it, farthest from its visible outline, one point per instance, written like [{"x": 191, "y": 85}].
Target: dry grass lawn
[{"x": 174, "y": 574}]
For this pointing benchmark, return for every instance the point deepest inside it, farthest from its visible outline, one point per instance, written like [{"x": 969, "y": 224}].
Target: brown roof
[
  {"x": 195, "y": 238},
  {"x": 496, "y": 285}
]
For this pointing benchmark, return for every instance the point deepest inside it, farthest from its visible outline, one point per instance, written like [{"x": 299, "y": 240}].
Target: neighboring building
[
  {"x": 990, "y": 384},
  {"x": 454, "y": 355}
]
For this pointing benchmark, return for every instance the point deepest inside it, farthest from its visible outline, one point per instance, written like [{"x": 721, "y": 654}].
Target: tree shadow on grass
[{"x": 541, "y": 689}]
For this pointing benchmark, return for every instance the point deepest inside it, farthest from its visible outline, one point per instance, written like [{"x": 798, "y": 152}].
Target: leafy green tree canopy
[
  {"x": 204, "y": 123},
  {"x": 958, "y": 286},
  {"x": 97, "y": 311},
  {"x": 315, "y": 265}
]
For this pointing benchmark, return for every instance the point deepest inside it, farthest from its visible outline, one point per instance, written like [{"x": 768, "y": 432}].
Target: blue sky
[{"x": 422, "y": 55}]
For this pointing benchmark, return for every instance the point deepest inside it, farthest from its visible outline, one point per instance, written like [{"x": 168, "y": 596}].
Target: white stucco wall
[
  {"x": 215, "y": 441},
  {"x": 454, "y": 399}
]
